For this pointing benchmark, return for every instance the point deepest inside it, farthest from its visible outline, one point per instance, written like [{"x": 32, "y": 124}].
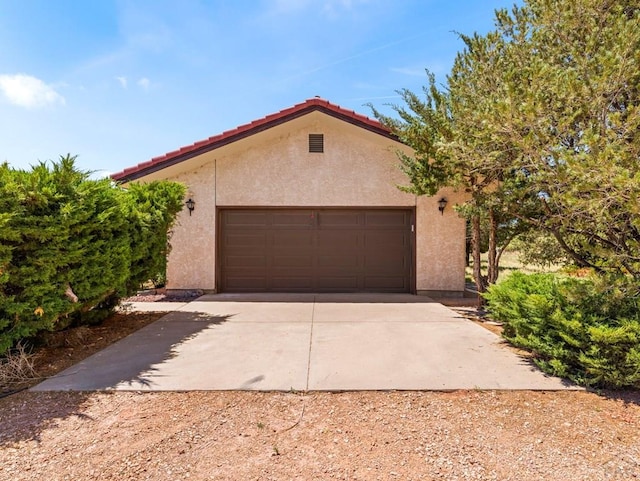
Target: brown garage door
[{"x": 315, "y": 250}]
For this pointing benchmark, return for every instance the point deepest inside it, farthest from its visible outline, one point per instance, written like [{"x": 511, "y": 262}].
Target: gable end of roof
[{"x": 252, "y": 128}]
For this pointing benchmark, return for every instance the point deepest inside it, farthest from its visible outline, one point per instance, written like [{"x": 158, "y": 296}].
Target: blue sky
[{"x": 117, "y": 82}]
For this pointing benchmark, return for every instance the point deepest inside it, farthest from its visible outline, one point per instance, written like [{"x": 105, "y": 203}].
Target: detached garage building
[{"x": 306, "y": 200}]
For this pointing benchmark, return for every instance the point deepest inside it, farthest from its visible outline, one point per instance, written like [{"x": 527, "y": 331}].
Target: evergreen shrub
[
  {"x": 586, "y": 330},
  {"x": 71, "y": 247}
]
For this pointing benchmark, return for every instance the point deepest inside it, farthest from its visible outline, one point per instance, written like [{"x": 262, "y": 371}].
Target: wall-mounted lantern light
[
  {"x": 190, "y": 205},
  {"x": 442, "y": 203}
]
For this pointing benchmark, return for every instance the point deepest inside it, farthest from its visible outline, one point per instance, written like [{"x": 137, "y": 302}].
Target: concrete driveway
[{"x": 305, "y": 342}]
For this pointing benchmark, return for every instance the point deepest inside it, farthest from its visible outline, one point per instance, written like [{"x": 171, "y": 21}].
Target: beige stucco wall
[
  {"x": 191, "y": 262},
  {"x": 357, "y": 168},
  {"x": 440, "y": 244},
  {"x": 274, "y": 168}
]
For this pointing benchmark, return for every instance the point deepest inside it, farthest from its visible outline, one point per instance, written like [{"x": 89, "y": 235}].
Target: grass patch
[{"x": 510, "y": 262}]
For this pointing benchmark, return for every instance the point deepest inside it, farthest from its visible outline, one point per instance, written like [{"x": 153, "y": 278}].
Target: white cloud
[
  {"x": 144, "y": 82},
  {"x": 123, "y": 81},
  {"x": 27, "y": 91}
]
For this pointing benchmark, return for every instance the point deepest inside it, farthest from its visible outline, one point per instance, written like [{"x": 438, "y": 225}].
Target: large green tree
[
  {"x": 455, "y": 143},
  {"x": 578, "y": 124},
  {"x": 539, "y": 121}
]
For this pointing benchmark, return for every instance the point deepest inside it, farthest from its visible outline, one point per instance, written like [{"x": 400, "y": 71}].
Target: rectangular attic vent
[{"x": 316, "y": 143}]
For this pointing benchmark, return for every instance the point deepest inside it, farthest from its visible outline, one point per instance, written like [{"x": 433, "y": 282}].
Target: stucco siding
[
  {"x": 274, "y": 168},
  {"x": 191, "y": 262},
  {"x": 357, "y": 168},
  {"x": 440, "y": 244}
]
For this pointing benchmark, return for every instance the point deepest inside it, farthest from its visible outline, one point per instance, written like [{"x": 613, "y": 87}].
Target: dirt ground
[
  {"x": 279, "y": 436},
  {"x": 56, "y": 351},
  {"x": 476, "y": 435}
]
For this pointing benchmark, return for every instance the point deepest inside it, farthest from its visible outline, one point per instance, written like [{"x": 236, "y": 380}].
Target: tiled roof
[{"x": 298, "y": 110}]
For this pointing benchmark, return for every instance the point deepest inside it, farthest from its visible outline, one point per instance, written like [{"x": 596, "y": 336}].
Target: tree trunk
[
  {"x": 492, "y": 268},
  {"x": 481, "y": 283},
  {"x": 503, "y": 247},
  {"x": 579, "y": 260}
]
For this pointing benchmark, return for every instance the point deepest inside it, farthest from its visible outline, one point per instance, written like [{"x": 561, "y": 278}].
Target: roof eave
[{"x": 216, "y": 142}]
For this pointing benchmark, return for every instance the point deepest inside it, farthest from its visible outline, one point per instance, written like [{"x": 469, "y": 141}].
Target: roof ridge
[{"x": 255, "y": 126}]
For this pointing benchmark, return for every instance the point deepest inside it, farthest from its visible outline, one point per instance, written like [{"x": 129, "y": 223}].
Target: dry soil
[{"x": 462, "y": 435}]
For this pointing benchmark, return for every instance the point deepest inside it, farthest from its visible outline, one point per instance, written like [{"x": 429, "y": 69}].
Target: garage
[
  {"x": 315, "y": 250},
  {"x": 311, "y": 198}
]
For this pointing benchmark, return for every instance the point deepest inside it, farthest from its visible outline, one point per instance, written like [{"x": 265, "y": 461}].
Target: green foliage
[
  {"x": 152, "y": 209},
  {"x": 576, "y": 123},
  {"x": 423, "y": 125},
  {"x": 62, "y": 234},
  {"x": 539, "y": 248},
  {"x": 539, "y": 121},
  {"x": 453, "y": 140},
  {"x": 587, "y": 330}
]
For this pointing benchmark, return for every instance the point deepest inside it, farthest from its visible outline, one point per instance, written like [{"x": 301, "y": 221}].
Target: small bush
[
  {"x": 586, "y": 330},
  {"x": 16, "y": 368}
]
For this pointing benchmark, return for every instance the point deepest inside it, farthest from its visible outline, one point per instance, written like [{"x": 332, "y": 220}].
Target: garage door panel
[
  {"x": 385, "y": 240},
  {"x": 239, "y": 251},
  {"x": 245, "y": 219},
  {"x": 253, "y": 240},
  {"x": 302, "y": 283},
  {"x": 384, "y": 283},
  {"x": 315, "y": 250},
  {"x": 284, "y": 239},
  {"x": 390, "y": 264},
  {"x": 337, "y": 262},
  {"x": 293, "y": 219},
  {"x": 245, "y": 261},
  {"x": 239, "y": 282},
  {"x": 338, "y": 283},
  {"x": 339, "y": 219},
  {"x": 292, "y": 261},
  {"x": 338, "y": 242},
  {"x": 385, "y": 218}
]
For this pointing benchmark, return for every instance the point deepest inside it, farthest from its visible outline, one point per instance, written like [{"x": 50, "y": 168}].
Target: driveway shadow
[
  {"x": 132, "y": 359},
  {"x": 25, "y": 415}
]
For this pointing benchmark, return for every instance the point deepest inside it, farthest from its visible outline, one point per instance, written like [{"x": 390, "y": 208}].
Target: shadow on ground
[
  {"x": 631, "y": 396},
  {"x": 132, "y": 359},
  {"x": 25, "y": 415}
]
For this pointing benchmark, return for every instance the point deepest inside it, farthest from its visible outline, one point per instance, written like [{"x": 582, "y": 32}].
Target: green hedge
[
  {"x": 62, "y": 233},
  {"x": 586, "y": 330}
]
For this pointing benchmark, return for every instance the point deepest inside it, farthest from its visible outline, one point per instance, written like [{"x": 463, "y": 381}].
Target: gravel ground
[
  {"x": 475, "y": 435},
  {"x": 462, "y": 435},
  {"x": 160, "y": 296}
]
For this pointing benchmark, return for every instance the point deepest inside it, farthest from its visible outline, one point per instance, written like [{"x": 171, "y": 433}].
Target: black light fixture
[
  {"x": 190, "y": 205},
  {"x": 442, "y": 203}
]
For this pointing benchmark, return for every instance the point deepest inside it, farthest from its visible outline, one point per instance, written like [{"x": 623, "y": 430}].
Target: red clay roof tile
[{"x": 242, "y": 131}]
